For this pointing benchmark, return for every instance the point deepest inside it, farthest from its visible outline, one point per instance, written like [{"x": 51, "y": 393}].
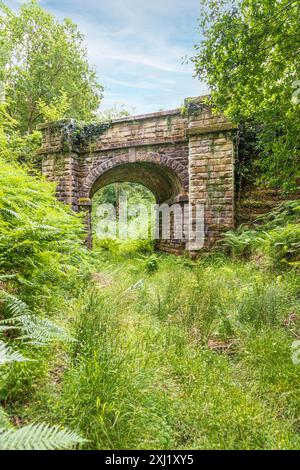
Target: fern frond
[
  {"x": 43, "y": 331},
  {"x": 8, "y": 355},
  {"x": 39, "y": 437},
  {"x": 135, "y": 286},
  {"x": 40, "y": 330},
  {"x": 14, "y": 306}
]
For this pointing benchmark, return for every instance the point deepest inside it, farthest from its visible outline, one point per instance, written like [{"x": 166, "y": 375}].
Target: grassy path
[{"x": 143, "y": 375}]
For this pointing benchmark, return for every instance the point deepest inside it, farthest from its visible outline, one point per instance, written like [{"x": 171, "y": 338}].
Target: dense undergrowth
[
  {"x": 274, "y": 237},
  {"x": 130, "y": 349},
  {"x": 194, "y": 355},
  {"x": 43, "y": 267}
]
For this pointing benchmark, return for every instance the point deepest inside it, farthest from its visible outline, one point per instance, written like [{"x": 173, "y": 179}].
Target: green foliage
[
  {"x": 138, "y": 230},
  {"x": 6, "y": 125},
  {"x": 241, "y": 241},
  {"x": 57, "y": 109},
  {"x": 132, "y": 247},
  {"x": 124, "y": 248},
  {"x": 135, "y": 194},
  {"x": 8, "y": 355},
  {"x": 23, "y": 148},
  {"x": 193, "y": 355},
  {"x": 282, "y": 245},
  {"x": 34, "y": 436},
  {"x": 38, "y": 437},
  {"x": 249, "y": 56},
  {"x": 35, "y": 228},
  {"x": 276, "y": 236},
  {"x": 152, "y": 264},
  {"x": 115, "y": 112},
  {"x": 41, "y": 245},
  {"x": 285, "y": 213},
  {"x": 47, "y": 72},
  {"x": 4, "y": 58},
  {"x": 106, "y": 244},
  {"x": 196, "y": 358}
]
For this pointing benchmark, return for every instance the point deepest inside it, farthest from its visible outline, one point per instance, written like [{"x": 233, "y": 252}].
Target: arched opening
[
  {"x": 163, "y": 182},
  {"x": 122, "y": 217},
  {"x": 124, "y": 198}
]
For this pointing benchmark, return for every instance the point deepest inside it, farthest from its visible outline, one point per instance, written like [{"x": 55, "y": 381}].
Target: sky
[{"x": 138, "y": 48}]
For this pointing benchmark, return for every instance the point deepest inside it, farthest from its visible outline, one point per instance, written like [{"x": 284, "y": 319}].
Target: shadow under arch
[{"x": 162, "y": 181}]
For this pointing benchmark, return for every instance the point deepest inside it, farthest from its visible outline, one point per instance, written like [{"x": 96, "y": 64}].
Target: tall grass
[{"x": 198, "y": 355}]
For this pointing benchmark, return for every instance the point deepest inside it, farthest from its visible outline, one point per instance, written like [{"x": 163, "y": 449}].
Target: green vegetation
[
  {"x": 139, "y": 351},
  {"x": 249, "y": 56},
  {"x": 192, "y": 355},
  {"x": 41, "y": 269},
  {"x": 123, "y": 348},
  {"x": 275, "y": 237},
  {"x": 47, "y": 74},
  {"x": 137, "y": 199}
]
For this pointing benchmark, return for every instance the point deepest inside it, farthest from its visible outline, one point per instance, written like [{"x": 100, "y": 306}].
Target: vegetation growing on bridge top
[
  {"x": 78, "y": 134},
  {"x": 194, "y": 106}
]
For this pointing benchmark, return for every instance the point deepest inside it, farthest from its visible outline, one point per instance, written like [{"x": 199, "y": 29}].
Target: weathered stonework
[{"x": 178, "y": 156}]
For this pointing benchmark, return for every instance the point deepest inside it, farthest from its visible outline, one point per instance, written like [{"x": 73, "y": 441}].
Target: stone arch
[
  {"x": 164, "y": 177},
  {"x": 189, "y": 155}
]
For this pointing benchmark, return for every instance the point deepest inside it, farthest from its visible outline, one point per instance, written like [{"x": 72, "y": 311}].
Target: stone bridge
[{"x": 182, "y": 155}]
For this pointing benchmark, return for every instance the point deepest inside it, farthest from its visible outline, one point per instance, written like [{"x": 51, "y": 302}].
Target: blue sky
[{"x": 137, "y": 48}]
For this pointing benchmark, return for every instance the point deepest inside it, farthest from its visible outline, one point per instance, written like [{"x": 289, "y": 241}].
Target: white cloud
[
  {"x": 137, "y": 47},
  {"x": 132, "y": 44},
  {"x": 140, "y": 85}
]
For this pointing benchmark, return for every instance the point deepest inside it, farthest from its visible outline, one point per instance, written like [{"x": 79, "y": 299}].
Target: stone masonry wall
[
  {"x": 179, "y": 156},
  {"x": 211, "y": 171}
]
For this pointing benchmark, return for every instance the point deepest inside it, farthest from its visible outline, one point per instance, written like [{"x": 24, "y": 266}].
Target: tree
[
  {"x": 250, "y": 57},
  {"x": 4, "y": 56},
  {"x": 47, "y": 60}
]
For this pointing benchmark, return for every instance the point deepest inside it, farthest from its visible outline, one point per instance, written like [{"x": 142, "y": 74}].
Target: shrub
[
  {"x": 151, "y": 264},
  {"x": 275, "y": 236},
  {"x": 40, "y": 238}
]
